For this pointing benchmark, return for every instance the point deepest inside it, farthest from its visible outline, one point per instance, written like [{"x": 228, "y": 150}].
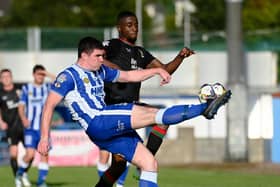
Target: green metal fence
[
  {"x": 67, "y": 39},
  {"x": 13, "y": 39}
]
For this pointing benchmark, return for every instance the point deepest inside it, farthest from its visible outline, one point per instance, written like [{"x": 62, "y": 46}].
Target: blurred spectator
[
  {"x": 30, "y": 108},
  {"x": 9, "y": 118}
]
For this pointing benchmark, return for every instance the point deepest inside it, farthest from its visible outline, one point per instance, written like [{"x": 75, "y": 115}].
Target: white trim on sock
[
  {"x": 159, "y": 116},
  {"x": 101, "y": 167},
  {"x": 23, "y": 164},
  {"x": 149, "y": 176},
  {"x": 43, "y": 166}
]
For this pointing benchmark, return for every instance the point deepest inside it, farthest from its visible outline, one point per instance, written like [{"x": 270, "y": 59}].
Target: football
[
  {"x": 206, "y": 92},
  {"x": 219, "y": 89},
  {"x": 210, "y": 91}
]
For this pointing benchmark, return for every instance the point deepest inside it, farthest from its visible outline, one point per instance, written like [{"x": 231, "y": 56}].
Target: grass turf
[{"x": 168, "y": 177}]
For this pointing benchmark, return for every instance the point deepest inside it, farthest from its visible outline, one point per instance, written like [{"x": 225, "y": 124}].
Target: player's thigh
[
  {"x": 142, "y": 116},
  {"x": 144, "y": 159},
  {"x": 29, "y": 153},
  {"x": 114, "y": 120}
]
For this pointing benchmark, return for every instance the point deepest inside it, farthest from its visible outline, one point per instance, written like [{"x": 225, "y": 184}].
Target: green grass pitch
[{"x": 168, "y": 177}]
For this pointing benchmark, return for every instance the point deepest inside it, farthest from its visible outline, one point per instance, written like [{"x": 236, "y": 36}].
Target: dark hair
[
  {"x": 38, "y": 67},
  {"x": 5, "y": 70},
  {"x": 88, "y": 44},
  {"x": 125, "y": 14}
]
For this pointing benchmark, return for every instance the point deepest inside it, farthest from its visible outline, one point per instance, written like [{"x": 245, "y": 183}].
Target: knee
[
  {"x": 28, "y": 157},
  {"x": 150, "y": 165},
  {"x": 154, "y": 164},
  {"x": 13, "y": 155}
]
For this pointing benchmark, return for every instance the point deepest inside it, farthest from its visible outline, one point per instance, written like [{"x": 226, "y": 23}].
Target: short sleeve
[
  {"x": 111, "y": 75},
  {"x": 24, "y": 95},
  {"x": 63, "y": 84},
  {"x": 148, "y": 57}
]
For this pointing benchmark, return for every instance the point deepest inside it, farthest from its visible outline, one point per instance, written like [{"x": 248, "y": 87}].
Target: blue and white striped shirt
[
  {"x": 34, "y": 98},
  {"x": 83, "y": 91}
]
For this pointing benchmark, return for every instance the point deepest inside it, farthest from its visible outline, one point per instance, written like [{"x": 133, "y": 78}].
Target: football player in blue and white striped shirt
[
  {"x": 32, "y": 100},
  {"x": 112, "y": 127}
]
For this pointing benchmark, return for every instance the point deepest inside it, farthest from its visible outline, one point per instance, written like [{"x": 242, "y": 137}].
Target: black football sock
[
  {"x": 112, "y": 174},
  {"x": 14, "y": 165},
  {"x": 155, "y": 139}
]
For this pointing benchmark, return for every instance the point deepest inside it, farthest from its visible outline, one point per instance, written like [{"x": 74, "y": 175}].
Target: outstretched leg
[{"x": 179, "y": 113}]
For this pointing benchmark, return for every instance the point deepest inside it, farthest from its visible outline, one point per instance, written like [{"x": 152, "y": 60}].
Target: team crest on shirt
[{"x": 86, "y": 80}]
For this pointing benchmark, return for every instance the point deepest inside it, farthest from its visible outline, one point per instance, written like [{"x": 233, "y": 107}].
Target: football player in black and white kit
[
  {"x": 125, "y": 55},
  {"x": 9, "y": 117}
]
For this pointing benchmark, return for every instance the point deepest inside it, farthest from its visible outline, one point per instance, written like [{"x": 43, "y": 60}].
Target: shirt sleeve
[
  {"x": 110, "y": 74},
  {"x": 63, "y": 84},
  {"x": 112, "y": 48},
  {"x": 24, "y": 95},
  {"x": 148, "y": 57}
]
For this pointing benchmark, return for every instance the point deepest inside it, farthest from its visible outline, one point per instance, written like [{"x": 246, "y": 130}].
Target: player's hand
[
  {"x": 186, "y": 52},
  {"x": 4, "y": 126},
  {"x": 25, "y": 122},
  {"x": 43, "y": 146},
  {"x": 166, "y": 77}
]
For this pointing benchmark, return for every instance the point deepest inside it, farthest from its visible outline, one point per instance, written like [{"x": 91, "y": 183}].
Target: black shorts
[{"x": 15, "y": 135}]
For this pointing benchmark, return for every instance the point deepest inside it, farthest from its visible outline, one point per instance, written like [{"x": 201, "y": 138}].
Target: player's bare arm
[
  {"x": 3, "y": 124},
  {"x": 52, "y": 100},
  {"x": 23, "y": 118},
  {"x": 172, "y": 66},
  {"x": 141, "y": 75}
]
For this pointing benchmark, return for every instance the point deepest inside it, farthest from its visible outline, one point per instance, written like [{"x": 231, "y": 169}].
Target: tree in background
[
  {"x": 259, "y": 14},
  {"x": 64, "y": 13},
  {"x": 210, "y": 14}
]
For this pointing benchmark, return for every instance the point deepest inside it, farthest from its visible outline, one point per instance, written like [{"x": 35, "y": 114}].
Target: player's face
[
  {"x": 95, "y": 59},
  {"x": 128, "y": 29},
  {"x": 6, "y": 78},
  {"x": 39, "y": 76}
]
